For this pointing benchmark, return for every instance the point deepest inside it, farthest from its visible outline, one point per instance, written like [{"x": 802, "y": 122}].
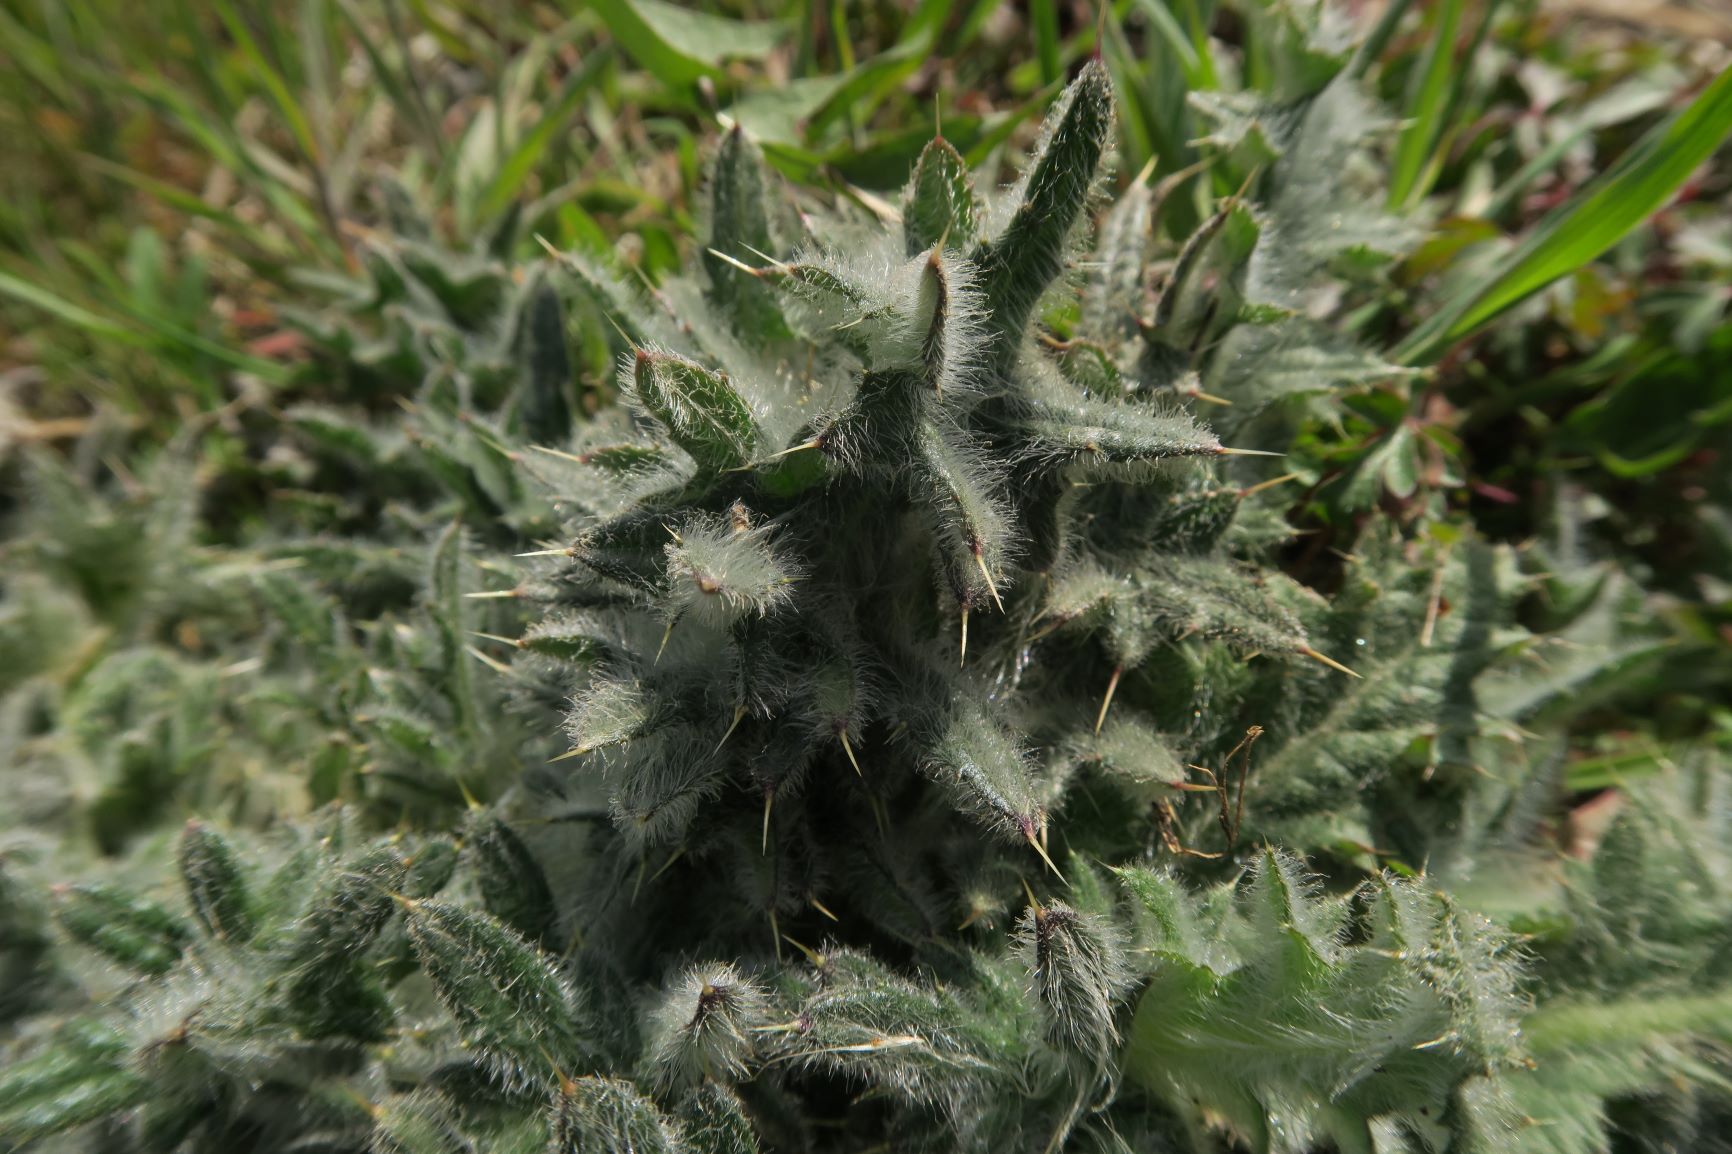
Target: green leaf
[
  {"x": 699, "y": 408},
  {"x": 1044, "y": 16},
  {"x": 215, "y": 885},
  {"x": 1427, "y": 106},
  {"x": 125, "y": 928},
  {"x": 940, "y": 201},
  {"x": 606, "y": 1116},
  {"x": 83, "y": 318},
  {"x": 509, "y": 177},
  {"x": 547, "y": 367},
  {"x": 1391, "y": 465},
  {"x": 680, "y": 45},
  {"x": 1639, "y": 184},
  {"x": 508, "y": 998},
  {"x": 860, "y": 89},
  {"x": 275, "y": 86},
  {"x": 1018, "y": 264}
]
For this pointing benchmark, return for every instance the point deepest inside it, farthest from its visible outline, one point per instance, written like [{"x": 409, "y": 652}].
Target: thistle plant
[{"x": 930, "y": 751}]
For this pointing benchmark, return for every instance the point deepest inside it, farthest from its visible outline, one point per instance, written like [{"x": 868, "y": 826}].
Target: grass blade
[
  {"x": 1044, "y": 15},
  {"x": 1373, "y": 45},
  {"x": 1426, "y": 106},
  {"x": 275, "y": 85},
  {"x": 72, "y": 314},
  {"x": 1592, "y": 221},
  {"x": 508, "y": 181}
]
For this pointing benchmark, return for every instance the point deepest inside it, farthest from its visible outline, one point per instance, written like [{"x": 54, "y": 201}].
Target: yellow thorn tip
[{"x": 1329, "y": 661}]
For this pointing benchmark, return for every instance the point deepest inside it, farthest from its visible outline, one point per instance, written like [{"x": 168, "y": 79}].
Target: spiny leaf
[
  {"x": 513, "y": 887},
  {"x": 431, "y": 867},
  {"x": 698, "y": 407},
  {"x": 576, "y": 638},
  {"x": 423, "y": 1122},
  {"x": 82, "y": 1077},
  {"x": 509, "y": 1001},
  {"x": 547, "y": 367},
  {"x": 974, "y": 527},
  {"x": 1099, "y": 434},
  {"x": 606, "y": 1116},
  {"x": 1022, "y": 258},
  {"x": 1114, "y": 288},
  {"x": 1314, "y": 1034},
  {"x": 988, "y": 769},
  {"x": 714, "y": 1122},
  {"x": 215, "y": 885},
  {"x": 350, "y": 909},
  {"x": 124, "y": 927},
  {"x": 939, "y": 202},
  {"x": 739, "y": 229}
]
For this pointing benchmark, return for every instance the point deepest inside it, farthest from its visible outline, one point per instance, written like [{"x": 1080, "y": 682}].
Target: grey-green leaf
[
  {"x": 215, "y": 885},
  {"x": 1026, "y": 255},
  {"x": 740, "y": 228},
  {"x": 940, "y": 201},
  {"x": 513, "y": 887},
  {"x": 509, "y": 1000},
  {"x": 126, "y": 928},
  {"x": 546, "y": 364},
  {"x": 699, "y": 407},
  {"x": 608, "y": 1116}
]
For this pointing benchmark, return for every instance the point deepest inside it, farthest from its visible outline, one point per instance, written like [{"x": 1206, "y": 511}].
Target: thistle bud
[
  {"x": 1076, "y": 961},
  {"x": 703, "y": 1026}
]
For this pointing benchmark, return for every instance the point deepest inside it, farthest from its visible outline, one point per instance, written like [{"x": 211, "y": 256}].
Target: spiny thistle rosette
[{"x": 903, "y": 593}]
